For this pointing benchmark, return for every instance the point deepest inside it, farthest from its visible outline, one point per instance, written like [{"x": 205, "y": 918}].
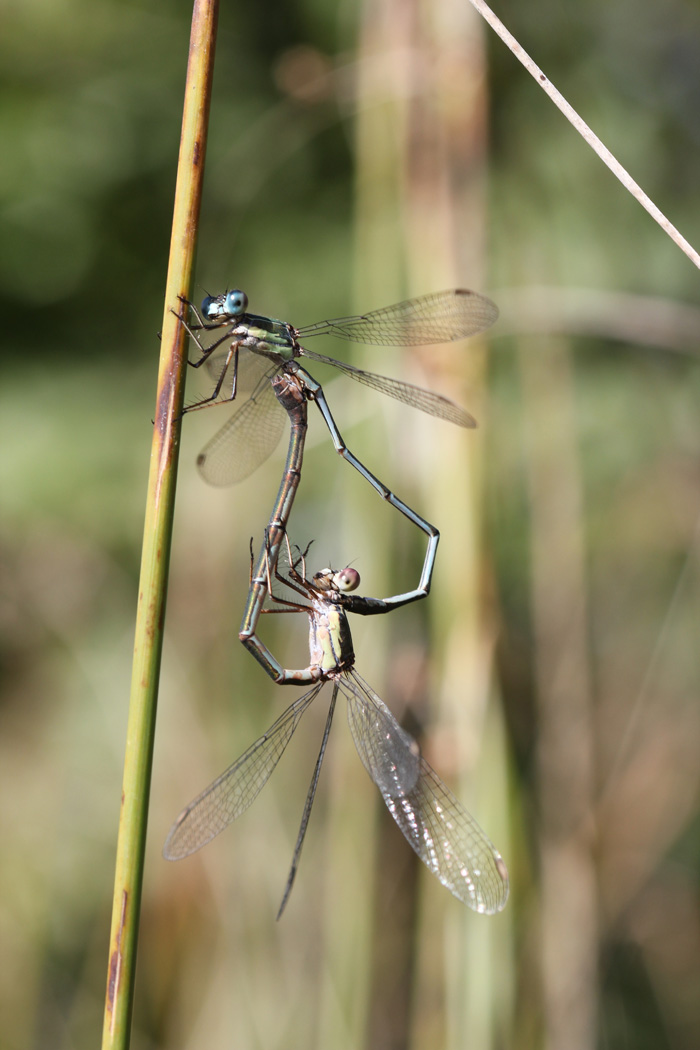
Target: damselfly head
[
  {"x": 331, "y": 580},
  {"x": 228, "y": 304}
]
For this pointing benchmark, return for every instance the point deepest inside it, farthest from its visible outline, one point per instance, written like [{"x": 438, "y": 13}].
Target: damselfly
[
  {"x": 435, "y": 824},
  {"x": 254, "y": 348}
]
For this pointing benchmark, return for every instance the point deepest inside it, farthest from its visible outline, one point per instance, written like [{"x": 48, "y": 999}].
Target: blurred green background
[{"x": 359, "y": 153}]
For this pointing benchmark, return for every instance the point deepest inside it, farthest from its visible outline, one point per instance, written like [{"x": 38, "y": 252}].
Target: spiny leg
[{"x": 292, "y": 606}]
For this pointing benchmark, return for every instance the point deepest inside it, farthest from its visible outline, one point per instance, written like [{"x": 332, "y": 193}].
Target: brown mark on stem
[{"x": 115, "y": 961}]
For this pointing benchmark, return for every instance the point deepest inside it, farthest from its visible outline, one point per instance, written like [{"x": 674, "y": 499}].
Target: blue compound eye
[
  {"x": 236, "y": 303},
  {"x": 211, "y": 307}
]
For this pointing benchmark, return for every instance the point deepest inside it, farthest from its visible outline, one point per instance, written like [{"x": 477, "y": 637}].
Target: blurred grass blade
[{"x": 157, "y": 539}]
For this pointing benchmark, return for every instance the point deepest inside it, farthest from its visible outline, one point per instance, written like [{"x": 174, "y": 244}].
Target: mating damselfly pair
[{"x": 260, "y": 355}]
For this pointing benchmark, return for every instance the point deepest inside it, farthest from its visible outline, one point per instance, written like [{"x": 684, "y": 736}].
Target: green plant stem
[{"x": 157, "y": 539}]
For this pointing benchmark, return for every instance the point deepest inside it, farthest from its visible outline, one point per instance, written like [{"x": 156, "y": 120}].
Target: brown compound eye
[{"x": 347, "y": 579}]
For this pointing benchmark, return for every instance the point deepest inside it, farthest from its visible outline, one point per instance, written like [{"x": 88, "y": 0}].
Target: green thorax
[
  {"x": 266, "y": 335},
  {"x": 330, "y": 641}
]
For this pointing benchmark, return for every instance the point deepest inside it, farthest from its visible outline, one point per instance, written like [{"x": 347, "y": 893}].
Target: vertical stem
[
  {"x": 421, "y": 177},
  {"x": 444, "y": 198},
  {"x": 565, "y": 751},
  {"x": 157, "y": 539}
]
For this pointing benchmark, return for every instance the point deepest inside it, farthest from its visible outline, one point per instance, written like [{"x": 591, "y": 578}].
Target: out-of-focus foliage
[{"x": 89, "y": 121}]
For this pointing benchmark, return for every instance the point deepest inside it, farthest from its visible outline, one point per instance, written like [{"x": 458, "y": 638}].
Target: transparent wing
[
  {"x": 445, "y": 837},
  {"x": 245, "y": 441},
  {"x": 251, "y": 367},
  {"x": 233, "y": 792},
  {"x": 441, "y": 317},
  {"x": 308, "y": 805},
  {"x": 416, "y": 396}
]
